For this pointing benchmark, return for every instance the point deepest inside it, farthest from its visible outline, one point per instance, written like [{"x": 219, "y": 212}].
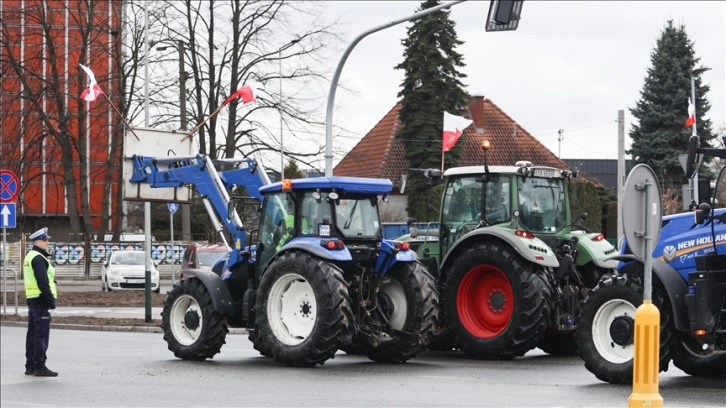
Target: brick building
[{"x": 61, "y": 148}]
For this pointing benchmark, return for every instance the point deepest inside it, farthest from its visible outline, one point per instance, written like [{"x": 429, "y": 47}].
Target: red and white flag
[
  {"x": 246, "y": 94},
  {"x": 453, "y": 129},
  {"x": 691, "y": 114},
  {"x": 91, "y": 93}
]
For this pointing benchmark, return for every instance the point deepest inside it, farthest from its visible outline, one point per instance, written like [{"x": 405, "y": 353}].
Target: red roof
[{"x": 380, "y": 155}]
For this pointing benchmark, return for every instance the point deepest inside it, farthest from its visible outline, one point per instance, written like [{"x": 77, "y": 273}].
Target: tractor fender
[
  {"x": 532, "y": 249},
  {"x": 389, "y": 256},
  {"x": 596, "y": 252},
  {"x": 218, "y": 291},
  {"x": 313, "y": 246},
  {"x": 674, "y": 285}
]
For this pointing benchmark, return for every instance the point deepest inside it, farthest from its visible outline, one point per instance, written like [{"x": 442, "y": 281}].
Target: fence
[{"x": 69, "y": 259}]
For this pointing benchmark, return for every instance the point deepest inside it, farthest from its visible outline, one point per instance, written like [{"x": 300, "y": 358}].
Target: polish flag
[
  {"x": 691, "y": 114},
  {"x": 91, "y": 93},
  {"x": 453, "y": 128},
  {"x": 246, "y": 94}
]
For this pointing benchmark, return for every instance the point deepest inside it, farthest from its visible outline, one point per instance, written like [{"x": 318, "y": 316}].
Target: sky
[{"x": 569, "y": 65}]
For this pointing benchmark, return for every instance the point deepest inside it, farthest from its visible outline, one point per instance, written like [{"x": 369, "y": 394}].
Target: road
[{"x": 116, "y": 369}]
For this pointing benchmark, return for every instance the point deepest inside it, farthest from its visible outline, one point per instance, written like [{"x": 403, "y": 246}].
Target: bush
[{"x": 584, "y": 198}]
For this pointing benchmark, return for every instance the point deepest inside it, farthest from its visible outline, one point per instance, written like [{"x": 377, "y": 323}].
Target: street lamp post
[
  {"x": 694, "y": 73},
  {"x": 186, "y": 210},
  {"x": 282, "y": 145},
  {"x": 182, "y": 84}
]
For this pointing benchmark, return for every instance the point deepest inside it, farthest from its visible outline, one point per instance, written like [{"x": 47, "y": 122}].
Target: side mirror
[{"x": 692, "y": 159}]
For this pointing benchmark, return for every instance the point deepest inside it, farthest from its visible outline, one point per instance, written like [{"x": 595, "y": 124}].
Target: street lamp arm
[{"x": 339, "y": 69}]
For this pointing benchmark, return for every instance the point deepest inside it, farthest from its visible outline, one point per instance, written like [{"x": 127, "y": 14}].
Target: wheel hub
[
  {"x": 622, "y": 329},
  {"x": 305, "y": 308},
  {"x": 497, "y": 301},
  {"x": 191, "y": 319}
]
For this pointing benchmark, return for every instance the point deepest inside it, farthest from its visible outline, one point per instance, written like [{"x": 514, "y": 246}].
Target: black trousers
[{"x": 36, "y": 341}]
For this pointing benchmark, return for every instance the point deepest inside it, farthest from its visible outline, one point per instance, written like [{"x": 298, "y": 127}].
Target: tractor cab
[
  {"x": 533, "y": 199},
  {"x": 336, "y": 212}
]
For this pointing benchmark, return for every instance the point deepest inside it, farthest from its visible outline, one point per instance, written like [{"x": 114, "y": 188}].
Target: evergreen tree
[
  {"x": 431, "y": 85},
  {"x": 292, "y": 171},
  {"x": 660, "y": 135}
]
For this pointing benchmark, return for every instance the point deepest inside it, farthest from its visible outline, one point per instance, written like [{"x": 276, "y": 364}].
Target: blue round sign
[{"x": 172, "y": 207}]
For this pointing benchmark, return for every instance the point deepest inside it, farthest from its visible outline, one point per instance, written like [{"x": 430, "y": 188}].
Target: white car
[{"x": 126, "y": 270}]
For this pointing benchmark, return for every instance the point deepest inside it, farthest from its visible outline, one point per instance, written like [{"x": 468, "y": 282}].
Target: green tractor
[{"x": 511, "y": 267}]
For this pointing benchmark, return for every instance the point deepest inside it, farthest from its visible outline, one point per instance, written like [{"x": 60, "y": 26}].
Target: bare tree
[
  {"x": 53, "y": 120},
  {"x": 231, "y": 43}
]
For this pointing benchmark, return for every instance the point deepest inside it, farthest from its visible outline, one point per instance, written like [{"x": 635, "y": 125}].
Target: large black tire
[
  {"x": 563, "y": 343},
  {"x": 442, "y": 340},
  {"x": 410, "y": 302},
  {"x": 302, "y": 310},
  {"x": 605, "y": 330},
  {"x": 559, "y": 344},
  {"x": 691, "y": 358},
  {"x": 494, "y": 302},
  {"x": 192, "y": 328}
]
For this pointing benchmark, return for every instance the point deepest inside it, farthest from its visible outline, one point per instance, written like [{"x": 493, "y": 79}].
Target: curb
[{"x": 127, "y": 329}]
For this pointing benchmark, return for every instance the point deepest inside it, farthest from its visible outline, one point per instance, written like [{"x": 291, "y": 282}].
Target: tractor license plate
[
  {"x": 544, "y": 173},
  {"x": 134, "y": 281}
]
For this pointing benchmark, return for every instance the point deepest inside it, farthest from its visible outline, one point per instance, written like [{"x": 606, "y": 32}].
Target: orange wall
[{"x": 43, "y": 192}]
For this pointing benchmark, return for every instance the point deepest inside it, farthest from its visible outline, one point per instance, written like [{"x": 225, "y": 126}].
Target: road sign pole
[
  {"x": 171, "y": 223},
  {"x": 3, "y": 260},
  {"x": 646, "y": 357}
]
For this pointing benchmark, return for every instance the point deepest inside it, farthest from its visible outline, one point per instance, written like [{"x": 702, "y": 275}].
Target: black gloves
[{"x": 49, "y": 301}]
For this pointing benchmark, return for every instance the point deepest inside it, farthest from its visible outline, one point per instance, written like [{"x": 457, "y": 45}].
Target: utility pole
[
  {"x": 185, "y": 207},
  {"x": 620, "y": 181},
  {"x": 559, "y": 143}
]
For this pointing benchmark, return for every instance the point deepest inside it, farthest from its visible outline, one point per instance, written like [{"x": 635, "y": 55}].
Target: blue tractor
[
  {"x": 321, "y": 277},
  {"x": 689, "y": 289}
]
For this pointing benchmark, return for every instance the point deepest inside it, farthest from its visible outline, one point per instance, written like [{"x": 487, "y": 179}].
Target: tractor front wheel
[
  {"x": 192, "y": 328},
  {"x": 605, "y": 331}
]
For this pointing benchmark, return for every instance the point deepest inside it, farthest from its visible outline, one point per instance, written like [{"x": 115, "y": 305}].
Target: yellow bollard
[{"x": 646, "y": 359}]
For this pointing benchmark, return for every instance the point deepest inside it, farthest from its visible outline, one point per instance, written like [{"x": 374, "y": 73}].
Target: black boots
[{"x": 43, "y": 372}]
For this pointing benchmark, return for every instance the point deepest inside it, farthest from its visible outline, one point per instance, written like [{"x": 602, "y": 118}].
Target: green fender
[
  {"x": 532, "y": 249},
  {"x": 596, "y": 252}
]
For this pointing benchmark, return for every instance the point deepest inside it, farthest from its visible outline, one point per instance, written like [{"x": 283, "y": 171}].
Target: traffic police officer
[{"x": 40, "y": 293}]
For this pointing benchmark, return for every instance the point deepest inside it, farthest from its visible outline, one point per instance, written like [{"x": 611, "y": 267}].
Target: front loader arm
[{"x": 200, "y": 173}]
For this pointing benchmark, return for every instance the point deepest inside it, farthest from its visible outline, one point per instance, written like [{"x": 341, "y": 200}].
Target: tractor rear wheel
[
  {"x": 693, "y": 360},
  {"x": 302, "y": 310},
  {"x": 605, "y": 330},
  {"x": 409, "y": 308},
  {"x": 494, "y": 302},
  {"x": 192, "y": 328}
]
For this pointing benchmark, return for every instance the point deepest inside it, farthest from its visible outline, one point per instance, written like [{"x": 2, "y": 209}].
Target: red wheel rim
[{"x": 485, "y": 301}]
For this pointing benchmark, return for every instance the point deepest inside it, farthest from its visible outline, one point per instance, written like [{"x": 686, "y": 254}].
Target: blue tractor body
[{"x": 682, "y": 240}]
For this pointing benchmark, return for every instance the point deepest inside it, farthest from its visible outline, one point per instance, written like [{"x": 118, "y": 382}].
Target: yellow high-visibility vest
[{"x": 31, "y": 285}]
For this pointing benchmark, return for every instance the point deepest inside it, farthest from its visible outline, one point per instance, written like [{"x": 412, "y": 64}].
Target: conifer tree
[
  {"x": 431, "y": 85},
  {"x": 660, "y": 134}
]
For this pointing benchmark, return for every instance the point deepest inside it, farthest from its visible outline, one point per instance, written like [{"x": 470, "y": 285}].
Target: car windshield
[
  {"x": 128, "y": 258},
  {"x": 209, "y": 258},
  {"x": 542, "y": 204}
]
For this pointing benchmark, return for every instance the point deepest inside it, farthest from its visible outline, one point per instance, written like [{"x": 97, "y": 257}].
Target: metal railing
[{"x": 5, "y": 289}]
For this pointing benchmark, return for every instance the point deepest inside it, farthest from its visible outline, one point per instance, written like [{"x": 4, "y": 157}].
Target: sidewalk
[{"x": 93, "y": 311}]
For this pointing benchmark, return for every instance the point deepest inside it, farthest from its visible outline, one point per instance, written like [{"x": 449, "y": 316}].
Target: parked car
[
  {"x": 125, "y": 270},
  {"x": 202, "y": 256}
]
